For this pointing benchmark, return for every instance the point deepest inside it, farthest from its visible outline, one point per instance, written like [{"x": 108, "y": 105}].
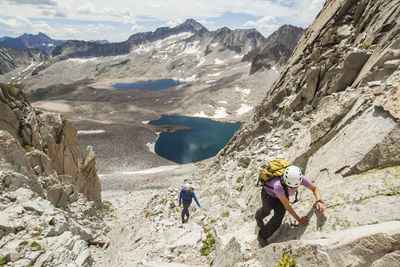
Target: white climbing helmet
[
  {"x": 292, "y": 176},
  {"x": 187, "y": 187}
]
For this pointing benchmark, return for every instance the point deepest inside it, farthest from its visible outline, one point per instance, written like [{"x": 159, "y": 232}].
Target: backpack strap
[{"x": 285, "y": 188}]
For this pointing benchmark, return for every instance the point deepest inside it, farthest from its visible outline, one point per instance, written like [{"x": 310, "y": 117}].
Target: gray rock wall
[{"x": 50, "y": 200}]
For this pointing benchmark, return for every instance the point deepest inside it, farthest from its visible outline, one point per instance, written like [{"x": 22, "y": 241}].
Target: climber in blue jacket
[{"x": 186, "y": 195}]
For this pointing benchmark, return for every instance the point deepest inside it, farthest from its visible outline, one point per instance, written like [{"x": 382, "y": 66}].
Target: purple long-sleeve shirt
[{"x": 275, "y": 187}]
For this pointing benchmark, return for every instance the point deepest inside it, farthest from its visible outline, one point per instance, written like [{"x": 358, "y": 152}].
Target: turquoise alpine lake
[
  {"x": 148, "y": 85},
  {"x": 203, "y": 140}
]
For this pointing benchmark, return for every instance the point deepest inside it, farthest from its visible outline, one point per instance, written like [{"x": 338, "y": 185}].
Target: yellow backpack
[{"x": 275, "y": 168}]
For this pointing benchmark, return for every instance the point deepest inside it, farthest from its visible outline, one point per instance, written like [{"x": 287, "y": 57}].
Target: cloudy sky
[{"x": 116, "y": 20}]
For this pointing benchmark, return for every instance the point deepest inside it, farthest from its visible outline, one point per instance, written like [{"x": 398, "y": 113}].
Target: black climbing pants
[
  {"x": 269, "y": 203},
  {"x": 185, "y": 210}
]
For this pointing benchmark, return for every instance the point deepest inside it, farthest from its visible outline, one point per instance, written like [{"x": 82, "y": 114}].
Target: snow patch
[
  {"x": 182, "y": 35},
  {"x": 201, "y": 114},
  {"x": 192, "y": 48},
  {"x": 82, "y": 60},
  {"x": 244, "y": 109},
  {"x": 214, "y": 44},
  {"x": 30, "y": 66},
  {"x": 223, "y": 102},
  {"x": 145, "y": 122},
  {"x": 142, "y": 49},
  {"x": 151, "y": 147},
  {"x": 244, "y": 92},
  {"x": 120, "y": 56},
  {"x": 202, "y": 60},
  {"x": 154, "y": 170},
  {"x": 238, "y": 56},
  {"x": 219, "y": 62},
  {"x": 214, "y": 74},
  {"x": 220, "y": 113},
  {"x": 86, "y": 132},
  {"x": 189, "y": 79}
]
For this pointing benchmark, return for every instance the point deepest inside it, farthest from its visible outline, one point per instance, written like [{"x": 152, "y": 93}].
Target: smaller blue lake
[
  {"x": 203, "y": 140},
  {"x": 148, "y": 85}
]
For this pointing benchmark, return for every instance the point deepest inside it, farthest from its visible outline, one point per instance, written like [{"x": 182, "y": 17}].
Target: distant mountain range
[
  {"x": 249, "y": 43},
  {"x": 234, "y": 40},
  {"x": 40, "y": 41},
  {"x": 27, "y": 41}
]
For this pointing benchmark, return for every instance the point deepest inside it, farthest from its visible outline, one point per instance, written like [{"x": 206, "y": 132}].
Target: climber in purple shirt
[
  {"x": 186, "y": 195},
  {"x": 275, "y": 196}
]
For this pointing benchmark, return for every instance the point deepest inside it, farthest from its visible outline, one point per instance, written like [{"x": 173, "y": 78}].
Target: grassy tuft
[
  {"x": 225, "y": 214},
  {"x": 36, "y": 245},
  {"x": 287, "y": 260},
  {"x": 28, "y": 148},
  {"x": 208, "y": 245},
  {"x": 52, "y": 221}
]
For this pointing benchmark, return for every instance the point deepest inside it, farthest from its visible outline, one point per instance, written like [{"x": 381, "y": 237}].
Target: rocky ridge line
[{"x": 50, "y": 200}]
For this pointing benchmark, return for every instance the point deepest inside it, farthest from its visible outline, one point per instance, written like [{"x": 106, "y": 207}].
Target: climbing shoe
[{"x": 262, "y": 241}]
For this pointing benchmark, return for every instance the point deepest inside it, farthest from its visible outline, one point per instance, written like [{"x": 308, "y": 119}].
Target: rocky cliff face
[
  {"x": 50, "y": 200},
  {"x": 77, "y": 49},
  {"x": 12, "y": 58},
  {"x": 276, "y": 49},
  {"x": 334, "y": 112}
]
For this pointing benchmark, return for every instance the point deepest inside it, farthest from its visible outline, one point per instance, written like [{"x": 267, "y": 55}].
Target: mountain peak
[
  {"x": 191, "y": 25},
  {"x": 29, "y": 35},
  {"x": 192, "y": 22}
]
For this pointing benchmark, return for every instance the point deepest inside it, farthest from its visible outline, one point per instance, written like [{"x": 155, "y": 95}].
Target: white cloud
[
  {"x": 266, "y": 25},
  {"x": 205, "y": 22},
  {"x": 173, "y": 23},
  {"x": 128, "y": 20},
  {"x": 53, "y": 13},
  {"x": 262, "y": 21},
  {"x": 16, "y": 22},
  {"x": 32, "y": 2},
  {"x": 137, "y": 28},
  {"x": 273, "y": 13},
  {"x": 172, "y": 10}
]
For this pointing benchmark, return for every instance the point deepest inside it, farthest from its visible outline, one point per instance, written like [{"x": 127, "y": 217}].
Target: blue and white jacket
[{"x": 188, "y": 195}]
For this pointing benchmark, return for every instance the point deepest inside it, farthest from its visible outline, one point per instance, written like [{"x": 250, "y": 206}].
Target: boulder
[
  {"x": 351, "y": 144},
  {"x": 14, "y": 180},
  {"x": 230, "y": 255},
  {"x": 57, "y": 196},
  {"x": 12, "y": 155},
  {"x": 88, "y": 181},
  {"x": 390, "y": 259},
  {"x": 391, "y": 101},
  {"x": 42, "y": 161},
  {"x": 9, "y": 122},
  {"x": 352, "y": 66},
  {"x": 6, "y": 222},
  {"x": 358, "y": 246}
]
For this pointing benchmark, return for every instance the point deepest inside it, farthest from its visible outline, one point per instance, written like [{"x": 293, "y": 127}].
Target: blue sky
[{"x": 116, "y": 20}]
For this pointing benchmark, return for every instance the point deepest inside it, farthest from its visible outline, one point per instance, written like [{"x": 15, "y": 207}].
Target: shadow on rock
[{"x": 290, "y": 231}]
